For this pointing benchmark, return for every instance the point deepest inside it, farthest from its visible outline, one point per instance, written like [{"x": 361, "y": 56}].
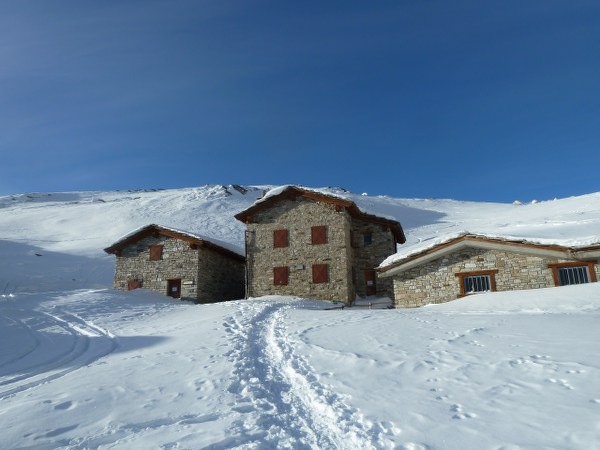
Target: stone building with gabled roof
[
  {"x": 178, "y": 264},
  {"x": 311, "y": 243},
  {"x": 467, "y": 263}
]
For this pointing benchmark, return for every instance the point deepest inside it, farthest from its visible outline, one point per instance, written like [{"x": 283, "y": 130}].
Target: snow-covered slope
[
  {"x": 84, "y": 223},
  {"x": 60, "y": 237},
  {"x": 69, "y": 230},
  {"x": 83, "y": 366}
]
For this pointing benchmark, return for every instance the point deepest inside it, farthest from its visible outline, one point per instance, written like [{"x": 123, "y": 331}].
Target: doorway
[
  {"x": 370, "y": 282},
  {"x": 174, "y": 288}
]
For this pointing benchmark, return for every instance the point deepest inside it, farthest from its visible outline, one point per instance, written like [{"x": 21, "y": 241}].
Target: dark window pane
[
  {"x": 573, "y": 275},
  {"x": 477, "y": 283}
]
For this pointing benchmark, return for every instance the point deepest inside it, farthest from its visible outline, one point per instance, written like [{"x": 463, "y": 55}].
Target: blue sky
[{"x": 471, "y": 100}]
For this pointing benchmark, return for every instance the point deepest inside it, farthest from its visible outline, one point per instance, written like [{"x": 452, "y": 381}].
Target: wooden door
[
  {"x": 370, "y": 282},
  {"x": 174, "y": 288},
  {"x": 133, "y": 284}
]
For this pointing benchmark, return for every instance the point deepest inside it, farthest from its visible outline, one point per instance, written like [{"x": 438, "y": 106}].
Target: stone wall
[
  {"x": 367, "y": 256},
  {"x": 205, "y": 275},
  {"x": 436, "y": 281},
  {"x": 178, "y": 261},
  {"x": 298, "y": 216},
  {"x": 346, "y": 253},
  {"x": 219, "y": 277}
]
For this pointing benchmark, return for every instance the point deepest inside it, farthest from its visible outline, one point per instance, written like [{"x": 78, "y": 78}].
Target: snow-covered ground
[{"x": 84, "y": 366}]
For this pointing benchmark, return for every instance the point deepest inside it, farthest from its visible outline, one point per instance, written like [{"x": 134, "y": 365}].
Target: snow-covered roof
[
  {"x": 334, "y": 193},
  {"x": 281, "y": 189},
  {"x": 174, "y": 232},
  {"x": 343, "y": 199},
  {"x": 588, "y": 247}
]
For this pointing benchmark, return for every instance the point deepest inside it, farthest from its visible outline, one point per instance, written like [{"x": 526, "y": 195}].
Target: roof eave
[
  {"x": 288, "y": 193},
  {"x": 584, "y": 254},
  {"x": 469, "y": 241},
  {"x": 150, "y": 229}
]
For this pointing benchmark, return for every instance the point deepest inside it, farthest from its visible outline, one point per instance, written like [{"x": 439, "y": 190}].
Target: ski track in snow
[
  {"x": 279, "y": 394},
  {"x": 40, "y": 362}
]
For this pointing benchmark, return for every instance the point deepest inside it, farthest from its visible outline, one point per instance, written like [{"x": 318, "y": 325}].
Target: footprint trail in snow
[{"x": 282, "y": 401}]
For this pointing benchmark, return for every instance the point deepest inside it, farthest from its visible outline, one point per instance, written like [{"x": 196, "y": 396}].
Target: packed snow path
[{"x": 283, "y": 403}]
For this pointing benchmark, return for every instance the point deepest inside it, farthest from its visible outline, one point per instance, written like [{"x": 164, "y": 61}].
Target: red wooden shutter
[
  {"x": 280, "y": 276},
  {"x": 156, "y": 252},
  {"x": 319, "y": 234},
  {"x": 133, "y": 284},
  {"x": 280, "y": 238},
  {"x": 320, "y": 273}
]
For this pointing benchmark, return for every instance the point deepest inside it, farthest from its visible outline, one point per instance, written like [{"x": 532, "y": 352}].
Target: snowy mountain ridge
[{"x": 209, "y": 210}]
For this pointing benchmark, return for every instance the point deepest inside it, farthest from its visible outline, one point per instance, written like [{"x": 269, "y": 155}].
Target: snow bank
[{"x": 564, "y": 299}]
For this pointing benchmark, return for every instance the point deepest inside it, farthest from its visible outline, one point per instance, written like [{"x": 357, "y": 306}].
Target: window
[
  {"x": 318, "y": 235},
  {"x": 475, "y": 282},
  {"x": 280, "y": 238},
  {"x": 566, "y": 274},
  {"x": 174, "y": 288},
  {"x": 573, "y": 275},
  {"x": 370, "y": 282},
  {"x": 320, "y": 273},
  {"x": 156, "y": 252},
  {"x": 368, "y": 238},
  {"x": 280, "y": 276},
  {"x": 133, "y": 284}
]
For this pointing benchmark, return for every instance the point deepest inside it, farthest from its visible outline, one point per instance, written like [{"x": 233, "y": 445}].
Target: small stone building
[
  {"x": 178, "y": 264},
  {"x": 307, "y": 243},
  {"x": 468, "y": 264}
]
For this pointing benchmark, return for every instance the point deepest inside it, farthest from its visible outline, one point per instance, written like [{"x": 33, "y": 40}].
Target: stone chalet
[
  {"x": 178, "y": 264},
  {"x": 465, "y": 264},
  {"x": 308, "y": 243}
]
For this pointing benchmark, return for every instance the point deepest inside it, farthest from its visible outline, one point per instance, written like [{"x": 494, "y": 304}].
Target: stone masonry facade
[
  {"x": 219, "y": 277},
  {"x": 368, "y": 254},
  {"x": 344, "y": 252},
  {"x": 436, "y": 281},
  {"x": 206, "y": 275}
]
